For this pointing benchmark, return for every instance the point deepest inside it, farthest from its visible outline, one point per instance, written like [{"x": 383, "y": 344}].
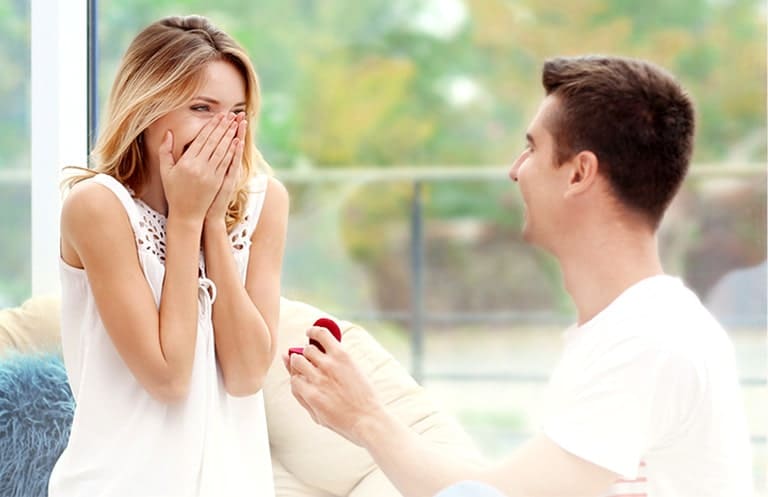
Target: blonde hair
[{"x": 161, "y": 71}]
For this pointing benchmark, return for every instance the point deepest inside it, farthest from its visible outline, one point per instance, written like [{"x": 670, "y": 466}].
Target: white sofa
[{"x": 308, "y": 460}]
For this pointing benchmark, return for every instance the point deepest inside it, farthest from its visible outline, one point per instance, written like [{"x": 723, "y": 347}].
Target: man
[{"x": 645, "y": 400}]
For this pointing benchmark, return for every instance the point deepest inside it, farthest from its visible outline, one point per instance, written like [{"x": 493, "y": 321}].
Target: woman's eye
[{"x": 201, "y": 108}]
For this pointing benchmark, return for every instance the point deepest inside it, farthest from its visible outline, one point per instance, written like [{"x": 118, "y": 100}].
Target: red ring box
[{"x": 328, "y": 324}]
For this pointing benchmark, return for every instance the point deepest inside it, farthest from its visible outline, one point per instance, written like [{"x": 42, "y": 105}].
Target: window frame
[{"x": 59, "y": 33}]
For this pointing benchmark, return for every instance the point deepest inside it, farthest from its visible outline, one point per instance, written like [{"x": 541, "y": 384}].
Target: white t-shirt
[{"x": 649, "y": 390}]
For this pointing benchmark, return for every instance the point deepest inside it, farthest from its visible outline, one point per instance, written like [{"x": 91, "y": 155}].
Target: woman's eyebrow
[{"x": 213, "y": 101}]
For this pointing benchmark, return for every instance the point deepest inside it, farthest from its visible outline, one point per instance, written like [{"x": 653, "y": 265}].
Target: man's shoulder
[
  {"x": 660, "y": 305},
  {"x": 660, "y": 317}
]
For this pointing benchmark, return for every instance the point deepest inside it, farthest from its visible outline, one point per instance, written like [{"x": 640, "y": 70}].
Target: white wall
[{"x": 59, "y": 123}]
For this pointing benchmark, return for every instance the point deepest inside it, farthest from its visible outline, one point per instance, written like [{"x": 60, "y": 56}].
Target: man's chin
[
  {"x": 525, "y": 231},
  {"x": 529, "y": 237},
  {"x": 532, "y": 240}
]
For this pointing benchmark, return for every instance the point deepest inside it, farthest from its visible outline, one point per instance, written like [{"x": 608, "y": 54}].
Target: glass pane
[
  {"x": 15, "y": 271},
  {"x": 353, "y": 90}
]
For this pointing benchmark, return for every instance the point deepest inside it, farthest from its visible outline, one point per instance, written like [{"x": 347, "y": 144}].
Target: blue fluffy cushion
[{"x": 36, "y": 409}]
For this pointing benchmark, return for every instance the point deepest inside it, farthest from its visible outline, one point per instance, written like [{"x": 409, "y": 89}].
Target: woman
[{"x": 171, "y": 253}]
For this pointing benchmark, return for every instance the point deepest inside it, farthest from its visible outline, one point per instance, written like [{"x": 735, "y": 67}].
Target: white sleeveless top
[{"x": 124, "y": 442}]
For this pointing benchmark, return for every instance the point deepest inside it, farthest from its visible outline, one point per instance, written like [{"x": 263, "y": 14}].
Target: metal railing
[{"x": 418, "y": 176}]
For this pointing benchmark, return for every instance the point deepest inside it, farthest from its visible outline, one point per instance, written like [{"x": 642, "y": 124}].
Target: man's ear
[{"x": 584, "y": 168}]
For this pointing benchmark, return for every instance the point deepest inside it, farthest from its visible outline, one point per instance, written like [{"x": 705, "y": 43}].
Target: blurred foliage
[
  {"x": 15, "y": 240},
  {"x": 383, "y": 208},
  {"x": 14, "y": 84},
  {"x": 428, "y": 82},
  {"x": 383, "y": 83}
]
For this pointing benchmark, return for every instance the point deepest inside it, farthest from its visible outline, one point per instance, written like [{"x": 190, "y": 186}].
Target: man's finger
[
  {"x": 316, "y": 357},
  {"x": 300, "y": 365},
  {"x": 324, "y": 337},
  {"x": 298, "y": 387},
  {"x": 287, "y": 362}
]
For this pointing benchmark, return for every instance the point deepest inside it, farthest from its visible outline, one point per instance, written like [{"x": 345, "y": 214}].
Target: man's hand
[
  {"x": 337, "y": 395},
  {"x": 332, "y": 388}
]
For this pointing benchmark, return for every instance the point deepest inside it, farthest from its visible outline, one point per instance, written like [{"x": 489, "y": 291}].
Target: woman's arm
[
  {"x": 246, "y": 317},
  {"x": 157, "y": 345}
]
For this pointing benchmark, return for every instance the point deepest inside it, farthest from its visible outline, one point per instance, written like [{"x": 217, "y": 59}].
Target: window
[{"x": 15, "y": 203}]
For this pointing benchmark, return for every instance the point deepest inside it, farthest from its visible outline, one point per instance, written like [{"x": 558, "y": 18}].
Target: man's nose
[
  {"x": 516, "y": 166},
  {"x": 513, "y": 172}
]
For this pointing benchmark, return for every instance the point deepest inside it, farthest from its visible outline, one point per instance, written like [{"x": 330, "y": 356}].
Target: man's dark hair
[{"x": 633, "y": 115}]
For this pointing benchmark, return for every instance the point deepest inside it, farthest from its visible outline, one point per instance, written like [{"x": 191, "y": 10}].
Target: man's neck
[{"x": 605, "y": 266}]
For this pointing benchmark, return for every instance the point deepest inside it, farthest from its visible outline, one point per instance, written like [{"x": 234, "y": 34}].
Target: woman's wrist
[
  {"x": 215, "y": 223},
  {"x": 187, "y": 222}
]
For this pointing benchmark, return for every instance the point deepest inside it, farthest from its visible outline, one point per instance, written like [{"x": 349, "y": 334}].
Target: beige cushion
[
  {"x": 308, "y": 460},
  {"x": 287, "y": 485},
  {"x": 322, "y": 458}
]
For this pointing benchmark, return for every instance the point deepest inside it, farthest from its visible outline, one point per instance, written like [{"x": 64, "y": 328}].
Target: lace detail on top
[
  {"x": 151, "y": 237},
  {"x": 239, "y": 236},
  {"x": 152, "y": 226}
]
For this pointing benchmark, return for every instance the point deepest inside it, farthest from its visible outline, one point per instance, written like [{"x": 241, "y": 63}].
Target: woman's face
[{"x": 222, "y": 91}]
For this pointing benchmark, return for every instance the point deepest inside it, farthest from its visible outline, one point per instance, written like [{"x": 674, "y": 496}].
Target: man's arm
[{"x": 336, "y": 394}]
